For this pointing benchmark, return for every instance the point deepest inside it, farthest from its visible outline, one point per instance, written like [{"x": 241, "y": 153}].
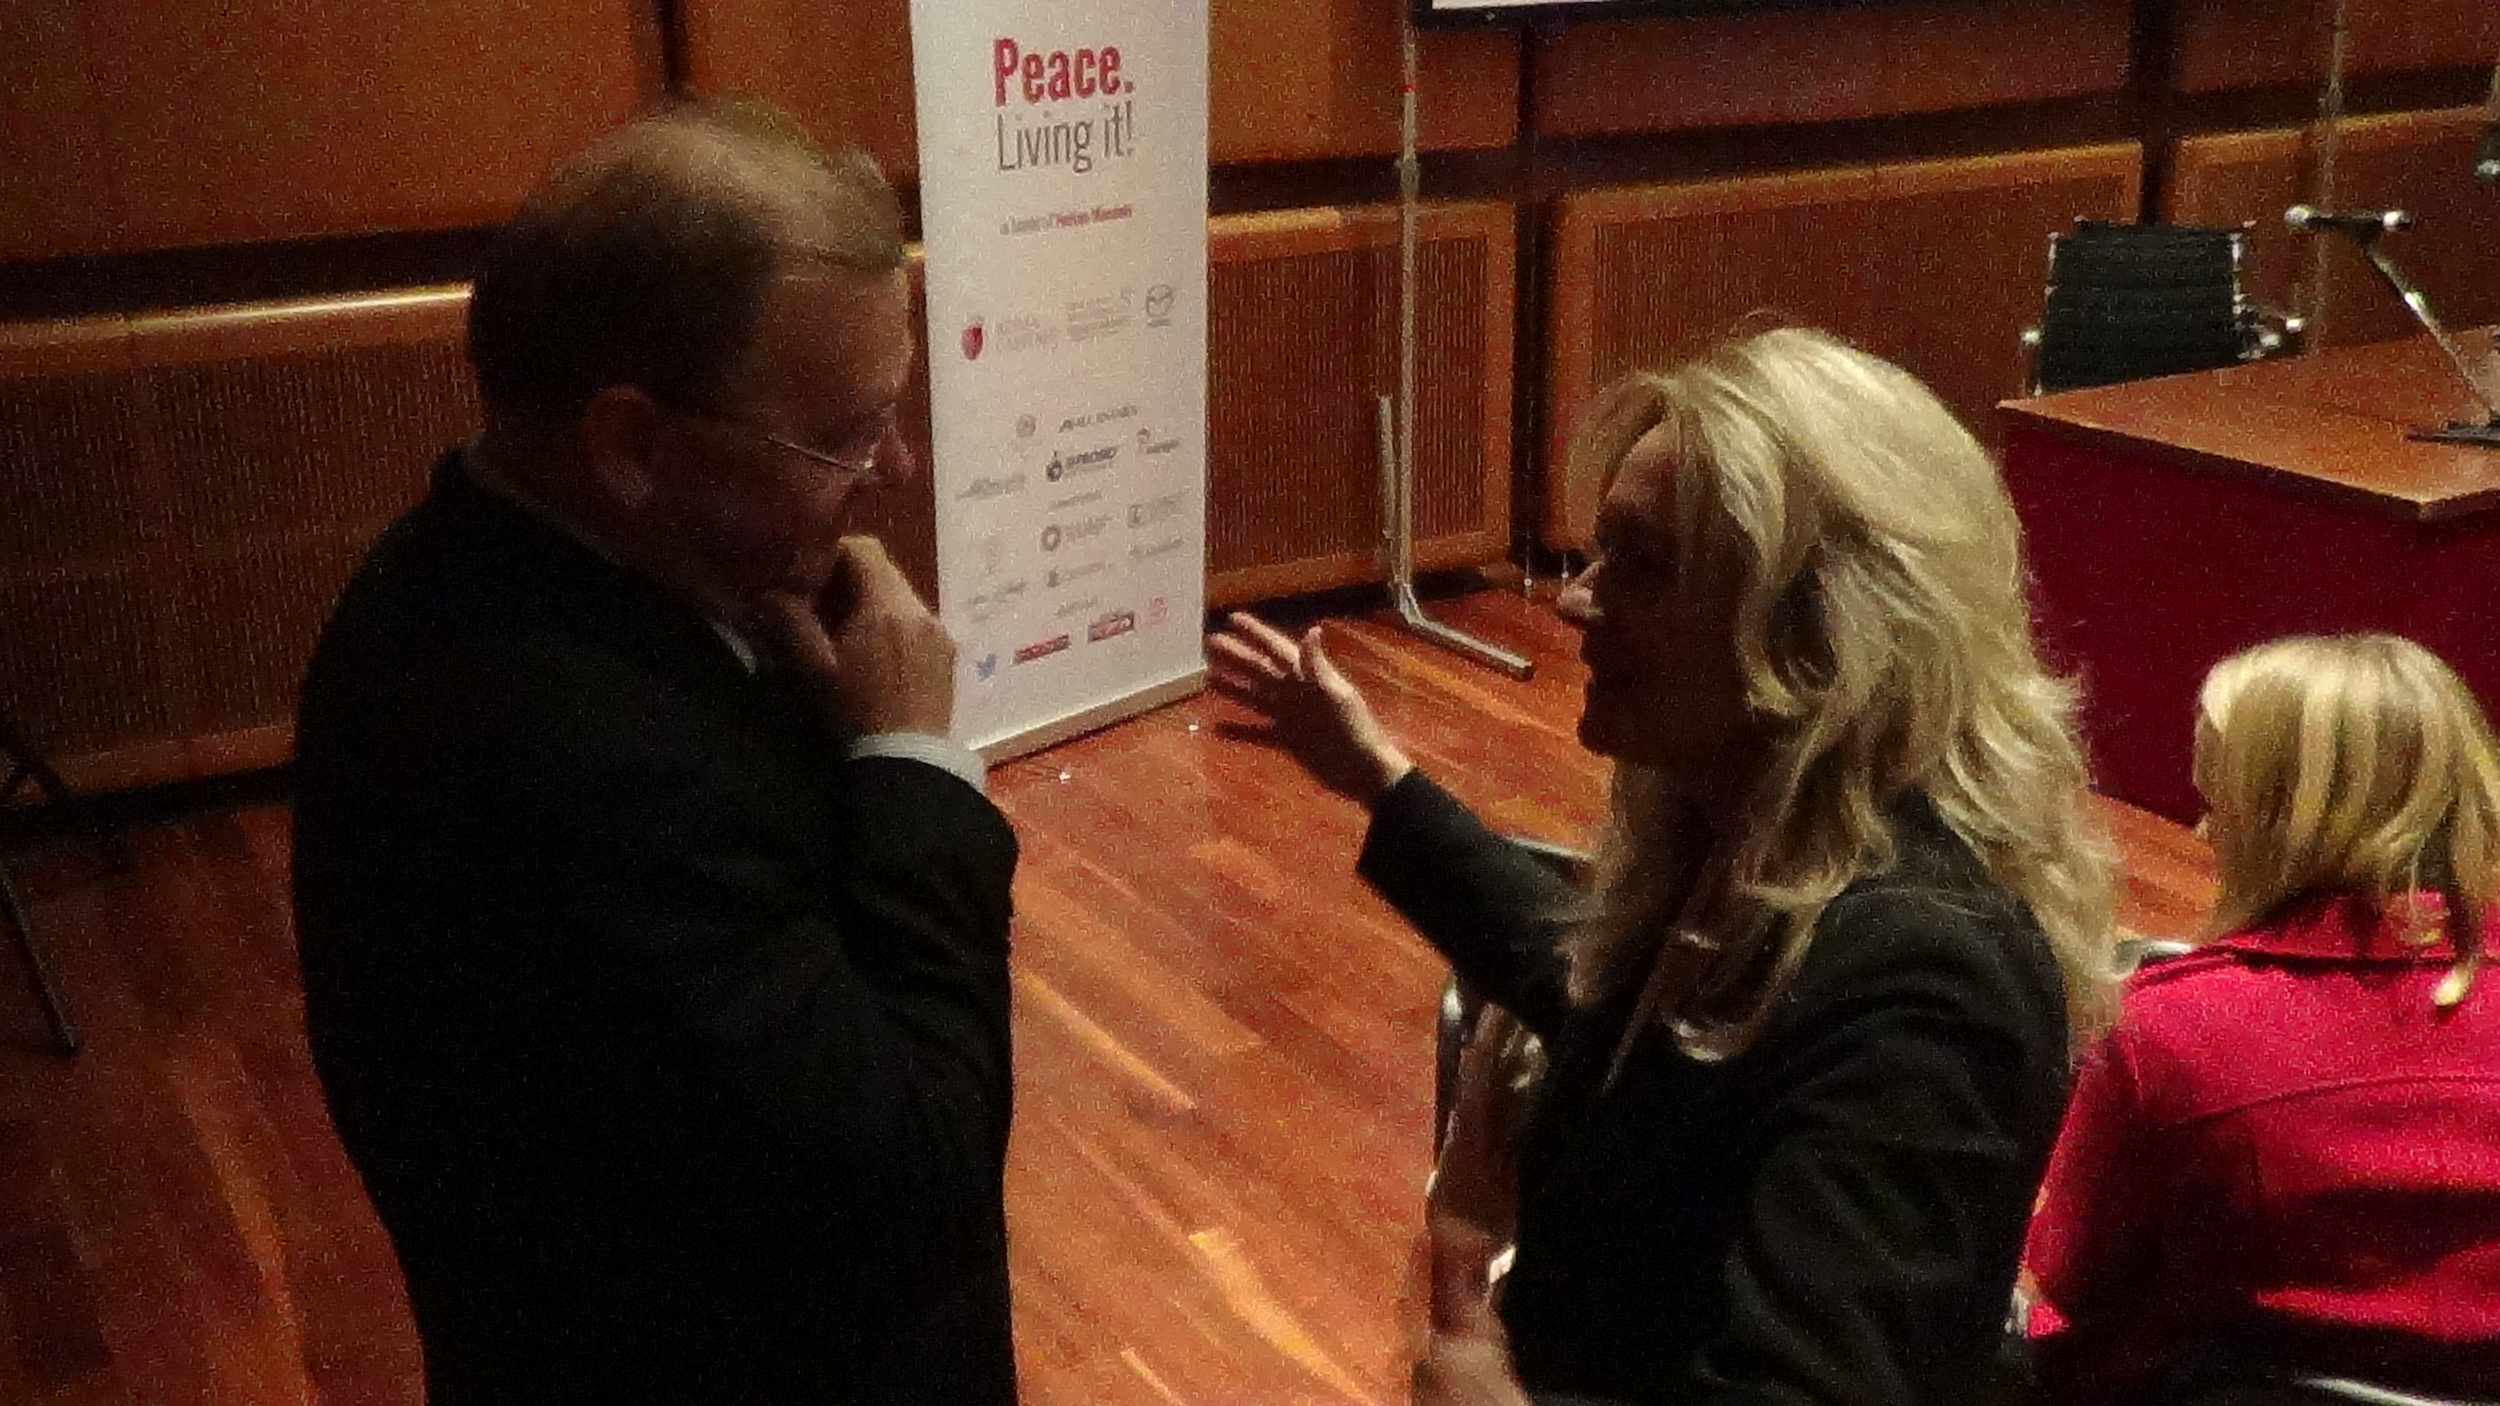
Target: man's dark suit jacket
[
  {"x": 1831, "y": 1216},
  {"x": 672, "y": 1045}
]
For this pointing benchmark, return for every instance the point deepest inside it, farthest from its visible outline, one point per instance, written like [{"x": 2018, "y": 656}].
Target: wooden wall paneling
[
  {"x": 182, "y": 496},
  {"x": 84, "y": 521},
  {"x": 1289, "y": 79},
  {"x": 1306, "y": 79},
  {"x": 262, "y": 120},
  {"x": 2250, "y": 43},
  {"x": 56, "y": 187},
  {"x": 187, "y": 493},
  {"x": 2423, "y": 162},
  {"x": 2230, "y": 178},
  {"x": 2419, "y": 161},
  {"x": 1303, "y": 341},
  {"x": 1734, "y": 247},
  {"x": 1303, "y": 338},
  {"x": 1937, "y": 265},
  {"x": 844, "y": 70},
  {"x": 1827, "y": 65}
]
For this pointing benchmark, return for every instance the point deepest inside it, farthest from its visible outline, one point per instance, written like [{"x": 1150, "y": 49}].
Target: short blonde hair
[
  {"x": 1884, "y": 632},
  {"x": 2349, "y": 764}
]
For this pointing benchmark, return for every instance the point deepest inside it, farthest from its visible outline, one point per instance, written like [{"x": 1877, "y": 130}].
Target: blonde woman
[
  {"x": 1809, "y": 1037},
  {"x": 2287, "y": 1153}
]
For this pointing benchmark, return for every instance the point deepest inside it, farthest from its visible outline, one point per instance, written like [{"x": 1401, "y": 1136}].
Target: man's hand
[
  {"x": 1312, "y": 710},
  {"x": 886, "y": 665}
]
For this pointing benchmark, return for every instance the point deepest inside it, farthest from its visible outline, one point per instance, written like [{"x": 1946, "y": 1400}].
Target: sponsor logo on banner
[
  {"x": 1042, "y": 649},
  {"x": 1026, "y": 426},
  {"x": 1148, "y": 551},
  {"x": 1081, "y": 530},
  {"x": 1111, "y": 416},
  {"x": 1158, "y": 510},
  {"x": 1075, "y": 501},
  {"x": 990, "y": 551},
  {"x": 1017, "y": 332},
  {"x": 1118, "y": 622},
  {"x": 1057, "y": 577},
  {"x": 1159, "y": 301},
  {"x": 986, "y": 487},
  {"x": 1158, "y": 611},
  {"x": 1091, "y": 461},
  {"x": 1149, "y": 447},
  {"x": 988, "y": 605},
  {"x": 1098, "y": 317},
  {"x": 986, "y": 668},
  {"x": 1076, "y": 607}
]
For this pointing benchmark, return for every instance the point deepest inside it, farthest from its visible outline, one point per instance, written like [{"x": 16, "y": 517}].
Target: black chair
[
  {"x": 2126, "y": 302},
  {"x": 2134, "y": 953},
  {"x": 26, "y": 768},
  {"x": 2277, "y": 1387},
  {"x": 1462, "y": 1010}
]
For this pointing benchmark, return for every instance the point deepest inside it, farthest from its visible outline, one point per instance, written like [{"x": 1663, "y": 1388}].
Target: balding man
[{"x": 654, "y": 936}]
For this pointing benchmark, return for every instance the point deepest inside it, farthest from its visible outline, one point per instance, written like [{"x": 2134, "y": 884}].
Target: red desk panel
[{"x": 2171, "y": 522}]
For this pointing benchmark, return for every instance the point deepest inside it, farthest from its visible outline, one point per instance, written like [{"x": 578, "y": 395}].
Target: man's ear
[{"x": 620, "y": 436}]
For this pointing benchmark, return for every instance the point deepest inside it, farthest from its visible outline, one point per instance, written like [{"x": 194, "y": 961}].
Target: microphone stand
[
  {"x": 2485, "y": 432},
  {"x": 1397, "y": 422}
]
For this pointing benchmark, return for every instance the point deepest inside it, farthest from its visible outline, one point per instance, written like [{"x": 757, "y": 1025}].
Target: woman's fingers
[
  {"x": 1242, "y": 655},
  {"x": 1266, "y": 636},
  {"x": 1323, "y": 670}
]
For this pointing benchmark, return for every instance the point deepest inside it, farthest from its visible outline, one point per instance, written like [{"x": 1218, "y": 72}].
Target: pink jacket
[{"x": 2282, "y": 1142}]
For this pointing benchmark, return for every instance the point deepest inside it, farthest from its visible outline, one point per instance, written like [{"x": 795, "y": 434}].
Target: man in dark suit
[{"x": 654, "y": 936}]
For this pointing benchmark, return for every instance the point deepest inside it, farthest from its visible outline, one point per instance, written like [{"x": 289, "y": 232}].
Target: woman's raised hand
[{"x": 1310, "y": 708}]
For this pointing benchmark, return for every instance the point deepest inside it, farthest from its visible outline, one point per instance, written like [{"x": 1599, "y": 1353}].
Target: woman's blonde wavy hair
[
  {"x": 1885, "y": 638},
  {"x": 2349, "y": 764}
]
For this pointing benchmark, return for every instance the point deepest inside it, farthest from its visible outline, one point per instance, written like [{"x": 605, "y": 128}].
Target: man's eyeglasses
[{"x": 863, "y": 466}]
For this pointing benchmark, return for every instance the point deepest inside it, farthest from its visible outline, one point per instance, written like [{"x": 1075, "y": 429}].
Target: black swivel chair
[
  {"x": 2126, "y": 302},
  {"x": 2276, "y": 1387},
  {"x": 1462, "y": 1010}
]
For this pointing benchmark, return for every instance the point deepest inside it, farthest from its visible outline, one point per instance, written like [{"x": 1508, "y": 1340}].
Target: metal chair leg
[{"x": 55, "y": 1010}]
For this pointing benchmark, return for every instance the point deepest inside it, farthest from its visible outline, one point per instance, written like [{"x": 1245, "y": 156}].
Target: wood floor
[{"x": 1224, "y": 1074}]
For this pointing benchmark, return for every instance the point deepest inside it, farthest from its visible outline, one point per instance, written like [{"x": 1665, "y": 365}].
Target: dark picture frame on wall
[{"x": 1454, "y": 13}]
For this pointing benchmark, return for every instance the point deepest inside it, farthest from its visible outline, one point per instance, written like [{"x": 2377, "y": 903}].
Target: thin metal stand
[
  {"x": 2487, "y": 155},
  {"x": 1397, "y": 425},
  {"x": 2486, "y": 433},
  {"x": 27, "y": 766}
]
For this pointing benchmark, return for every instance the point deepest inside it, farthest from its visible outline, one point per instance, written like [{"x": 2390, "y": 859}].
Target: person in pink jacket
[{"x": 2286, "y": 1154}]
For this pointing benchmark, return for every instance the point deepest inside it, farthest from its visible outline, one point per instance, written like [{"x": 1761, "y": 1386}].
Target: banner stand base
[{"x": 1101, "y": 715}]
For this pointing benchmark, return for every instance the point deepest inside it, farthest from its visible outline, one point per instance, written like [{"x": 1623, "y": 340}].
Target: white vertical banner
[{"x": 1063, "y": 196}]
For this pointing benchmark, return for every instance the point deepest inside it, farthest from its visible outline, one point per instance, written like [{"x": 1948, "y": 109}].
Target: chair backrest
[
  {"x": 2301, "y": 1389},
  {"x": 2132, "y": 953},
  {"x": 2131, "y": 301}
]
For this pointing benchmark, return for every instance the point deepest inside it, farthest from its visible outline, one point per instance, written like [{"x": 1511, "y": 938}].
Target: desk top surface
[{"x": 2334, "y": 421}]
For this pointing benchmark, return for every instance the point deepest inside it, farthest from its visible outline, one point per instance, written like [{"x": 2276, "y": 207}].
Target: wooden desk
[{"x": 2171, "y": 522}]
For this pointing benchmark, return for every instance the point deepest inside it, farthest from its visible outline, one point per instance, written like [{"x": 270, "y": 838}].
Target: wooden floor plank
[{"x": 1224, "y": 1072}]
